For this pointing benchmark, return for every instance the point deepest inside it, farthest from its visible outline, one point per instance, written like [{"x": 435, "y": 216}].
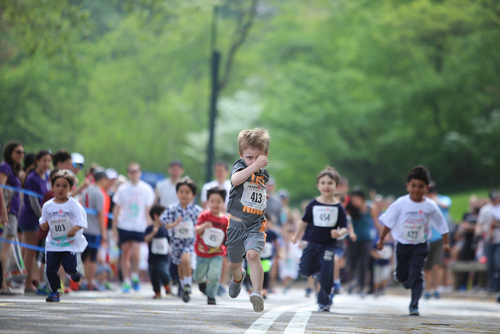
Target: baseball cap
[
  {"x": 176, "y": 163},
  {"x": 111, "y": 173},
  {"x": 77, "y": 158}
]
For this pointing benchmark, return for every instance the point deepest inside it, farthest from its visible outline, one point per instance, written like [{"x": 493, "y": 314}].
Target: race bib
[
  {"x": 159, "y": 246},
  {"x": 185, "y": 230},
  {"x": 267, "y": 252},
  {"x": 325, "y": 216},
  {"x": 254, "y": 196},
  {"x": 414, "y": 234},
  {"x": 213, "y": 237},
  {"x": 60, "y": 227}
]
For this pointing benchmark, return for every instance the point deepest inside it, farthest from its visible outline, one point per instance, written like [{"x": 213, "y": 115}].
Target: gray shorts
[
  {"x": 436, "y": 254},
  {"x": 11, "y": 230},
  {"x": 243, "y": 236}
]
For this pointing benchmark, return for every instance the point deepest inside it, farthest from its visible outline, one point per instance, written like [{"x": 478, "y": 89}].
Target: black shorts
[
  {"x": 125, "y": 236},
  {"x": 92, "y": 248}
]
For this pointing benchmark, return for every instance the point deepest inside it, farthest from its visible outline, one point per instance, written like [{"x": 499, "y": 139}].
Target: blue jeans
[
  {"x": 493, "y": 256},
  {"x": 209, "y": 268},
  {"x": 158, "y": 272}
]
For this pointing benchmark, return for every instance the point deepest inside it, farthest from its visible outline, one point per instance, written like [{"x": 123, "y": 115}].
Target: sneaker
[
  {"x": 157, "y": 295},
  {"x": 324, "y": 308},
  {"x": 308, "y": 292},
  {"x": 210, "y": 301},
  {"x": 221, "y": 291},
  {"x": 414, "y": 311},
  {"x": 167, "y": 289},
  {"x": 203, "y": 287},
  {"x": 437, "y": 295},
  {"x": 257, "y": 301},
  {"x": 234, "y": 287},
  {"x": 427, "y": 295},
  {"x": 108, "y": 286},
  {"x": 84, "y": 286},
  {"x": 41, "y": 290},
  {"x": 76, "y": 277},
  {"x": 136, "y": 284},
  {"x": 126, "y": 287},
  {"x": 336, "y": 288},
  {"x": 98, "y": 287},
  {"x": 53, "y": 297},
  {"x": 185, "y": 293}
]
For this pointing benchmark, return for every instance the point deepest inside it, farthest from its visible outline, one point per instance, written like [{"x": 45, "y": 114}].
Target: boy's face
[
  {"x": 61, "y": 188},
  {"x": 326, "y": 186},
  {"x": 215, "y": 203},
  {"x": 185, "y": 195},
  {"x": 221, "y": 173},
  {"x": 417, "y": 189},
  {"x": 251, "y": 154}
]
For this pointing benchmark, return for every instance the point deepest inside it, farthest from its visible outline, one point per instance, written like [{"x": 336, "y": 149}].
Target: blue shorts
[
  {"x": 339, "y": 251},
  {"x": 92, "y": 248},
  {"x": 124, "y": 236}
]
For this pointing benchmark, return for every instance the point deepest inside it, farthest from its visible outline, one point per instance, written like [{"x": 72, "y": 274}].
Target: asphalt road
[{"x": 115, "y": 312}]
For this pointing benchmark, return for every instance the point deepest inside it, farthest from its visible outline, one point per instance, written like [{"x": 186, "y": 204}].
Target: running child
[
  {"x": 246, "y": 205},
  {"x": 210, "y": 250},
  {"x": 65, "y": 219},
  {"x": 410, "y": 220},
  {"x": 157, "y": 240},
  {"x": 323, "y": 223},
  {"x": 180, "y": 219}
]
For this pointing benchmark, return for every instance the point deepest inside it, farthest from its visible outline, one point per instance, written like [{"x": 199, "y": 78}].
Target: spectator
[
  {"x": 165, "y": 193},
  {"x": 221, "y": 181},
  {"x": 494, "y": 248},
  {"x": 38, "y": 181}
]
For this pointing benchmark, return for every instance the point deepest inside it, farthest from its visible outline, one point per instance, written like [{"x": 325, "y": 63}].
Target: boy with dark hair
[
  {"x": 410, "y": 220},
  {"x": 157, "y": 240}
]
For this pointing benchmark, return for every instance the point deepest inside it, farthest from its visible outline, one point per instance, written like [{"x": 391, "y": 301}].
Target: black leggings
[{"x": 360, "y": 259}]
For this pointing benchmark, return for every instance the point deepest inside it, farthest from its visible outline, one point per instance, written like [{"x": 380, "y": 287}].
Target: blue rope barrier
[{"x": 38, "y": 248}]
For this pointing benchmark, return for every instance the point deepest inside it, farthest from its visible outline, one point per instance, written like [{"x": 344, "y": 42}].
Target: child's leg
[
  {"x": 136, "y": 258},
  {"x": 235, "y": 269},
  {"x": 69, "y": 262},
  {"x": 267, "y": 278},
  {"x": 256, "y": 271},
  {"x": 53, "y": 262},
  {"x": 213, "y": 275},
  {"x": 416, "y": 281},
  {"x": 126, "y": 248},
  {"x": 163, "y": 273},
  {"x": 153, "y": 275},
  {"x": 326, "y": 276},
  {"x": 184, "y": 267},
  {"x": 200, "y": 273},
  {"x": 402, "y": 263}
]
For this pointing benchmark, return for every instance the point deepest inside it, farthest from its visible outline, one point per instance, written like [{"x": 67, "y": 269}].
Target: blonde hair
[
  {"x": 258, "y": 138},
  {"x": 331, "y": 173}
]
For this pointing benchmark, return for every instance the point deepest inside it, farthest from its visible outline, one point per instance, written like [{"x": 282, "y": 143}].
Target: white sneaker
[{"x": 257, "y": 301}]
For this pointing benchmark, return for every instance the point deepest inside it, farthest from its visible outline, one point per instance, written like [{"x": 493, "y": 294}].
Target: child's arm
[
  {"x": 151, "y": 235},
  {"x": 44, "y": 226},
  {"x": 446, "y": 243},
  {"x": 174, "y": 224},
  {"x": 380, "y": 243},
  {"x": 375, "y": 254},
  {"x": 199, "y": 229},
  {"x": 278, "y": 250},
  {"x": 301, "y": 227},
  {"x": 242, "y": 175},
  {"x": 352, "y": 235},
  {"x": 338, "y": 233},
  {"x": 73, "y": 231}
]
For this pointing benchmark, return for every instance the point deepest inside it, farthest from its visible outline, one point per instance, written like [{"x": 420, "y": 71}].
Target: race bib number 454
[
  {"x": 325, "y": 216},
  {"x": 254, "y": 196}
]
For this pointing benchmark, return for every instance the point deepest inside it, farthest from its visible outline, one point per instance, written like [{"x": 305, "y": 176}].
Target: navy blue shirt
[
  {"x": 321, "y": 219},
  {"x": 162, "y": 233},
  {"x": 270, "y": 239}
]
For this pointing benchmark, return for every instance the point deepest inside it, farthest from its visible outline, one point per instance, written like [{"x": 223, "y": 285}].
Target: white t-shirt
[
  {"x": 410, "y": 222},
  {"x": 226, "y": 186},
  {"x": 166, "y": 192},
  {"x": 62, "y": 218},
  {"x": 134, "y": 201},
  {"x": 495, "y": 214}
]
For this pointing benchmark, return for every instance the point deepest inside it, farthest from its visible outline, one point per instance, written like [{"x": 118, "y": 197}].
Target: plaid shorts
[{"x": 179, "y": 246}]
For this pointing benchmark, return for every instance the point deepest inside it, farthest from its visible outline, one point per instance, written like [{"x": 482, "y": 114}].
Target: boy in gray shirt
[{"x": 246, "y": 205}]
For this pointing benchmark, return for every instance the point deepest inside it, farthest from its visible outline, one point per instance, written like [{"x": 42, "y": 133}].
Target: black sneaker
[
  {"x": 210, "y": 301},
  {"x": 203, "y": 287},
  {"x": 76, "y": 277},
  {"x": 185, "y": 293},
  {"x": 414, "y": 311}
]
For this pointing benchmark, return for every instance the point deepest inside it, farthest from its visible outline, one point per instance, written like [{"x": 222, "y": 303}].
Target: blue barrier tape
[
  {"x": 34, "y": 194},
  {"x": 38, "y": 248}
]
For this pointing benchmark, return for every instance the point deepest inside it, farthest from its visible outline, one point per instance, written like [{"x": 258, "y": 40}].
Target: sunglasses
[
  {"x": 133, "y": 171},
  {"x": 77, "y": 165},
  {"x": 19, "y": 152}
]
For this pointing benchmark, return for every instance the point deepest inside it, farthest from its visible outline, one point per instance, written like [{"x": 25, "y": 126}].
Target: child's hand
[
  {"x": 155, "y": 229},
  {"x": 177, "y": 221},
  {"x": 72, "y": 232},
  {"x": 294, "y": 239},
  {"x": 335, "y": 234},
  {"x": 380, "y": 245},
  {"x": 208, "y": 225},
  {"x": 353, "y": 237},
  {"x": 446, "y": 248},
  {"x": 261, "y": 161},
  {"x": 45, "y": 226}
]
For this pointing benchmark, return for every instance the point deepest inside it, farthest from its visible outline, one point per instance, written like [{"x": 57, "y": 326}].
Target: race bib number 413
[
  {"x": 325, "y": 216},
  {"x": 254, "y": 196}
]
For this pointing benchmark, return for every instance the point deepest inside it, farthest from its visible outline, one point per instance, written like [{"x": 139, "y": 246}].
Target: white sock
[
  {"x": 127, "y": 281},
  {"x": 188, "y": 280},
  {"x": 182, "y": 280},
  {"x": 135, "y": 276}
]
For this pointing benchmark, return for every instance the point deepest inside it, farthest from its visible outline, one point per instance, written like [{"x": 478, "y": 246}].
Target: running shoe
[
  {"x": 76, "y": 277},
  {"x": 126, "y": 287},
  {"x": 167, "y": 289},
  {"x": 157, "y": 295},
  {"x": 308, "y": 292},
  {"x": 414, "y": 311},
  {"x": 185, "y": 293},
  {"x": 203, "y": 287},
  {"x": 235, "y": 287},
  {"x": 336, "y": 288},
  {"x": 53, "y": 297},
  {"x": 257, "y": 301},
  {"x": 41, "y": 290},
  {"x": 427, "y": 295},
  {"x": 136, "y": 284},
  {"x": 108, "y": 286},
  {"x": 210, "y": 301},
  {"x": 324, "y": 308},
  {"x": 84, "y": 286},
  {"x": 221, "y": 291},
  {"x": 437, "y": 295}
]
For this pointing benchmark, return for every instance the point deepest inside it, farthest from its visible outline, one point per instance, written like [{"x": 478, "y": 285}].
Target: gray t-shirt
[
  {"x": 252, "y": 192},
  {"x": 93, "y": 199}
]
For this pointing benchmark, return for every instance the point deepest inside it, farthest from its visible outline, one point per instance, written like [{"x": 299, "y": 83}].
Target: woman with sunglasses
[{"x": 10, "y": 200}]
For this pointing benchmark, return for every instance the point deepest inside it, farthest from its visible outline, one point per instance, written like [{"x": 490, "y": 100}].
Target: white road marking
[
  {"x": 298, "y": 323},
  {"x": 265, "y": 322}
]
